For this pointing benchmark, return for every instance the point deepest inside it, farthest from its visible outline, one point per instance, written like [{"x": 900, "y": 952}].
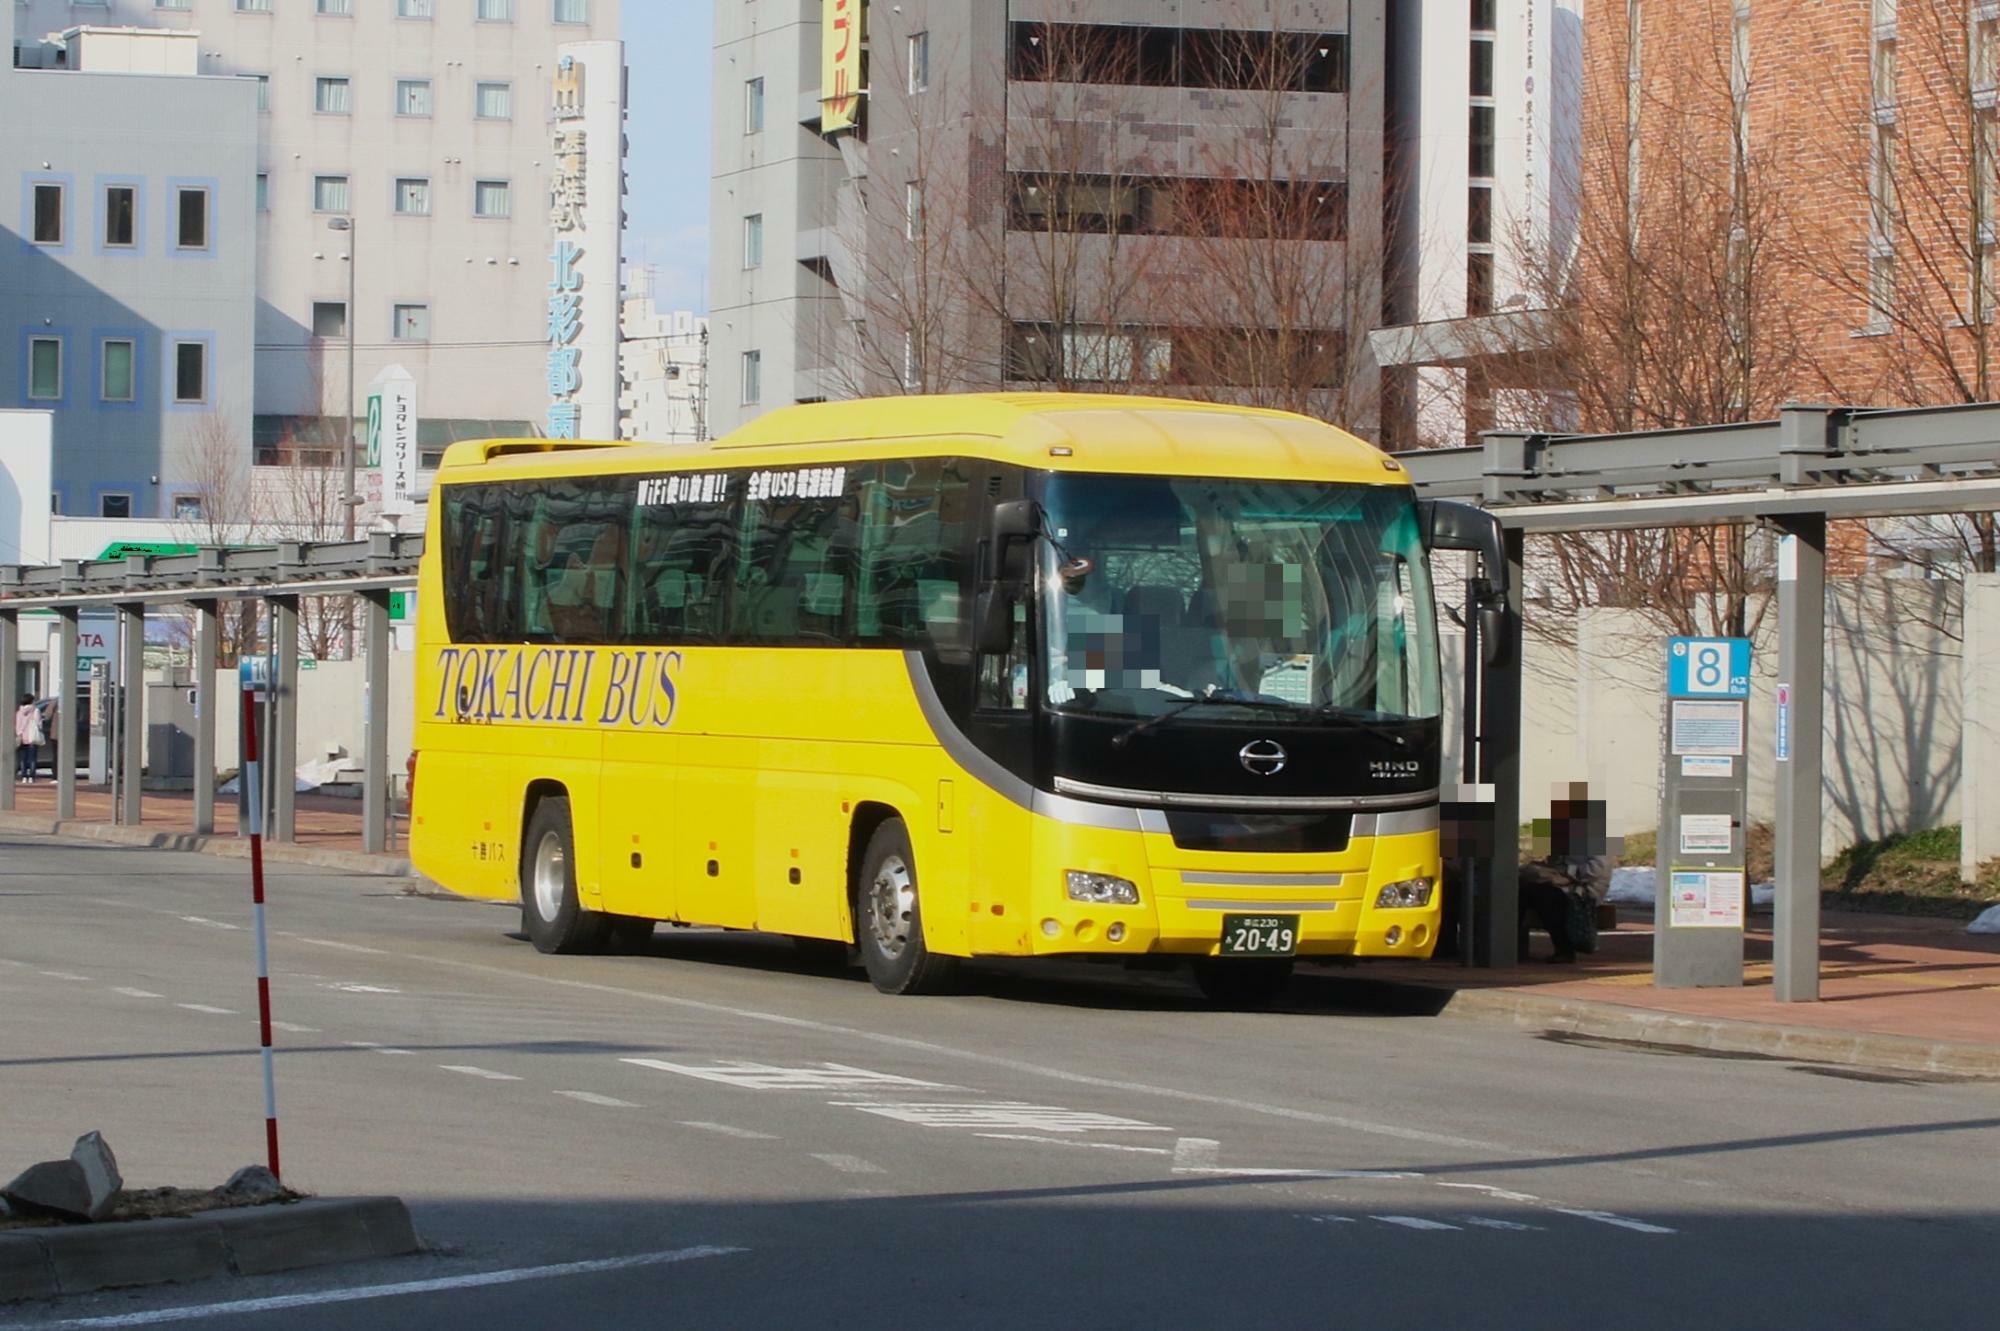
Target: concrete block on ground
[
  {"x": 100, "y": 1171},
  {"x": 264, "y": 1239},
  {"x": 25, "y": 1272},
  {"x": 141, "y": 1252},
  {"x": 252, "y": 1184},
  {"x": 57, "y": 1187}
]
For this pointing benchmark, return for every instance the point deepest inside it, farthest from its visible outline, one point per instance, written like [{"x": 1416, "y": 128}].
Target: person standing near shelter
[
  {"x": 28, "y": 738},
  {"x": 1576, "y": 871}
]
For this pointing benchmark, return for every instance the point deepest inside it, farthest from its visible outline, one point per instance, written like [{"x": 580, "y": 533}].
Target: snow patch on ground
[
  {"x": 1632, "y": 885},
  {"x": 1987, "y": 923}
]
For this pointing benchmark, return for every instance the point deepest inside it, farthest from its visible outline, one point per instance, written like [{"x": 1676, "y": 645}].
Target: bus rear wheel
[
  {"x": 889, "y": 922},
  {"x": 1243, "y": 983},
  {"x": 555, "y": 921}
]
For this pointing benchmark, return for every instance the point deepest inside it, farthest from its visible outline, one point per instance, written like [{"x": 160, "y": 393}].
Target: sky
[{"x": 667, "y": 49}]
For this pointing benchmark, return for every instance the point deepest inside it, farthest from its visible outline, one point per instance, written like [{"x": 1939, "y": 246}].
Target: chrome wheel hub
[
  {"x": 892, "y": 905},
  {"x": 550, "y": 876}
]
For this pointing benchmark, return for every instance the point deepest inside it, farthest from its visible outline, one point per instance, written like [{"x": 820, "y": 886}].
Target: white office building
[
  {"x": 663, "y": 367},
  {"x": 430, "y": 125}
]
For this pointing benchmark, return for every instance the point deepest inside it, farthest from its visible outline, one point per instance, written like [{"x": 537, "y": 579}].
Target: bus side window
[
  {"x": 913, "y": 575},
  {"x": 683, "y": 557},
  {"x": 796, "y": 576}
]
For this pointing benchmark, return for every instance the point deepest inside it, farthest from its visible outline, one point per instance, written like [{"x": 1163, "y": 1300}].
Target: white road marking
[
  {"x": 295, "y": 1030},
  {"x": 729, "y": 1130},
  {"x": 592, "y": 1098},
  {"x": 1069, "y": 1141},
  {"x": 1195, "y": 1152},
  {"x": 471, "y": 1071},
  {"x": 203, "y": 1007},
  {"x": 1301, "y": 1173},
  {"x": 1008, "y": 1114},
  {"x": 850, "y": 1164},
  {"x": 351, "y": 987},
  {"x": 1503, "y": 1194},
  {"x": 747, "y": 1075},
  {"x": 65, "y": 975},
  {"x": 1331, "y": 1219},
  {"x": 1487, "y": 1222},
  {"x": 1348, "y": 1123},
  {"x": 211, "y": 924},
  {"x": 1414, "y": 1222},
  {"x": 281, "y": 1302},
  {"x": 344, "y": 947},
  {"x": 135, "y": 993},
  {"x": 1623, "y": 1222},
  {"x": 374, "y": 1048}
]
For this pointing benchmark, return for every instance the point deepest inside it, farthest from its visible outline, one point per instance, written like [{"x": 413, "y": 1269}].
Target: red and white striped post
[{"x": 253, "y": 786}]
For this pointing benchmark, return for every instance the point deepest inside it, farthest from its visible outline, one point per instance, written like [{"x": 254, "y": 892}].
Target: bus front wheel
[
  {"x": 888, "y": 919},
  {"x": 553, "y": 917}
]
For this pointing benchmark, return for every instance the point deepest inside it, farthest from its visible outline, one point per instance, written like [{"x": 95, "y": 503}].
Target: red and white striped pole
[{"x": 253, "y": 780}]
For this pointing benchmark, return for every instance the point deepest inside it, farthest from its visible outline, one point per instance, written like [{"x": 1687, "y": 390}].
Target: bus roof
[{"x": 1053, "y": 431}]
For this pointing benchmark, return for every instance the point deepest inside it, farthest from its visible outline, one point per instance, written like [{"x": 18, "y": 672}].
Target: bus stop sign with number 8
[{"x": 1708, "y": 667}]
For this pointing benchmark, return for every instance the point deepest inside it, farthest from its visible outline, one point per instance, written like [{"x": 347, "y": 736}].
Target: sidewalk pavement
[
  {"x": 1919, "y": 995},
  {"x": 1914, "y": 994}
]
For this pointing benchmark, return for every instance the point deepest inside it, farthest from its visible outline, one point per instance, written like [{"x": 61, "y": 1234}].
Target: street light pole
[{"x": 347, "y": 443}]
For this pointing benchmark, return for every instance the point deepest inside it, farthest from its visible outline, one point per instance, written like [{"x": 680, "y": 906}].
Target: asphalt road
[{"x": 723, "y": 1136}]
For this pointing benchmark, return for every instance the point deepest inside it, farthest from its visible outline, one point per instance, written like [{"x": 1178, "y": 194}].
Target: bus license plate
[{"x": 1260, "y": 935}]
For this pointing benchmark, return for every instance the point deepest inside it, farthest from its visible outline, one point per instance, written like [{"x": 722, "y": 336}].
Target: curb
[
  {"x": 245, "y": 1241},
  {"x": 1615, "y": 1021},
  {"x": 227, "y": 847}
]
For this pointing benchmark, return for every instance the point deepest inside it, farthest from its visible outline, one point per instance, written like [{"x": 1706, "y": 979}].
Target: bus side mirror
[
  {"x": 1452, "y": 526},
  {"x": 994, "y": 629},
  {"x": 1492, "y": 625},
  {"x": 1015, "y": 523}
]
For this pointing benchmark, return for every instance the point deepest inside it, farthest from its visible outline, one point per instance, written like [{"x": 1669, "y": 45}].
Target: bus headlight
[
  {"x": 1102, "y": 888},
  {"x": 1411, "y": 892}
]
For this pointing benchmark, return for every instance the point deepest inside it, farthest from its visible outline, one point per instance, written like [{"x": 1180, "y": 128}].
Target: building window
[
  {"x": 1479, "y": 215},
  {"x": 753, "y": 107},
  {"x": 263, "y": 90},
  {"x": 492, "y": 198},
  {"x": 191, "y": 219},
  {"x": 1482, "y": 15},
  {"x": 45, "y": 369},
  {"x": 412, "y": 323},
  {"x": 263, "y": 192},
  {"x": 920, "y": 61},
  {"x": 116, "y": 505},
  {"x": 117, "y": 383},
  {"x": 253, "y": 6},
  {"x": 1478, "y": 283},
  {"x": 329, "y": 194},
  {"x": 413, "y": 196},
  {"x": 1479, "y": 162},
  {"x": 187, "y": 508},
  {"x": 173, "y": 4},
  {"x": 330, "y": 96},
  {"x": 121, "y": 215},
  {"x": 496, "y": 11},
  {"x": 753, "y": 241},
  {"x": 753, "y": 378},
  {"x": 493, "y": 101},
  {"x": 329, "y": 318},
  {"x": 343, "y": 8},
  {"x": 413, "y": 97},
  {"x": 190, "y": 371},
  {"x": 48, "y": 213},
  {"x": 1164, "y": 56},
  {"x": 913, "y": 210},
  {"x": 572, "y": 11},
  {"x": 413, "y": 8}
]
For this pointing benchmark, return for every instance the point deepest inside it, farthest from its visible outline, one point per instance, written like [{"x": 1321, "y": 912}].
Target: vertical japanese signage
[
  {"x": 392, "y": 436},
  {"x": 840, "y": 66},
  {"x": 586, "y": 188}
]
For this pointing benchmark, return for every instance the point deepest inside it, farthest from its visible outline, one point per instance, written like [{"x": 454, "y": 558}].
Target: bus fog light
[
  {"x": 1051, "y": 927},
  {"x": 1394, "y": 936},
  {"x": 1116, "y": 933},
  {"x": 1411, "y": 892},
  {"x": 1102, "y": 888}
]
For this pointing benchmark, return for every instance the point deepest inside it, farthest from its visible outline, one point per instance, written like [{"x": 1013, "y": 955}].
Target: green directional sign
[
  {"x": 120, "y": 549},
  {"x": 399, "y": 606}
]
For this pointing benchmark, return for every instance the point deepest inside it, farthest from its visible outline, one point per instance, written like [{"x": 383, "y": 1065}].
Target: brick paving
[{"x": 329, "y": 822}]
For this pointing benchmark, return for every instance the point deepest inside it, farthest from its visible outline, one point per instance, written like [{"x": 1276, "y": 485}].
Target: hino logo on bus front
[
  {"x": 1392, "y": 769},
  {"x": 1262, "y": 757}
]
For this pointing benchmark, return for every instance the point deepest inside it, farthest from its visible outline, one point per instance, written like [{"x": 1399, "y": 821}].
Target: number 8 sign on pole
[{"x": 1708, "y": 667}]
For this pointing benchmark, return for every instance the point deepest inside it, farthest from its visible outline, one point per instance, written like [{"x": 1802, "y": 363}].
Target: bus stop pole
[
  {"x": 10, "y": 674},
  {"x": 206, "y": 641},
  {"x": 1500, "y": 765},
  {"x": 131, "y": 710},
  {"x": 375, "y": 743},
  {"x": 283, "y": 749},
  {"x": 69, "y": 697},
  {"x": 1801, "y": 685}
]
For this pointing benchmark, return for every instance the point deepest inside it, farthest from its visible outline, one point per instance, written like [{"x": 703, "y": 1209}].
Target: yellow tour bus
[{"x": 944, "y": 677}]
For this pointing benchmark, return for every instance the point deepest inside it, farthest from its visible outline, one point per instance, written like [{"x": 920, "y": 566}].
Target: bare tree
[{"x": 225, "y": 511}]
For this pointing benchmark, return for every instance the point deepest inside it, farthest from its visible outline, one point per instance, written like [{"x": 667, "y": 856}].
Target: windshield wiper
[
  {"x": 1379, "y": 729},
  {"x": 1211, "y": 695}
]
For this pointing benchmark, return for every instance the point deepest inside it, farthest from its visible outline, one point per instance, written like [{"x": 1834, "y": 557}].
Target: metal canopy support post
[
  {"x": 284, "y": 747},
  {"x": 69, "y": 697},
  {"x": 1497, "y": 935},
  {"x": 1802, "y": 685},
  {"x": 131, "y": 712},
  {"x": 10, "y": 673},
  {"x": 375, "y": 743},
  {"x": 207, "y": 635}
]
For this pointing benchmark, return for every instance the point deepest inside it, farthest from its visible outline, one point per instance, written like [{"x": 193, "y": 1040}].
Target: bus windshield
[{"x": 1297, "y": 600}]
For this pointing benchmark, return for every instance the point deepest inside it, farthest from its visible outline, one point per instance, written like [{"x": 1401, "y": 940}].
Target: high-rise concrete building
[
  {"x": 427, "y": 124},
  {"x": 128, "y": 262},
  {"x": 1180, "y": 197},
  {"x": 663, "y": 367}
]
